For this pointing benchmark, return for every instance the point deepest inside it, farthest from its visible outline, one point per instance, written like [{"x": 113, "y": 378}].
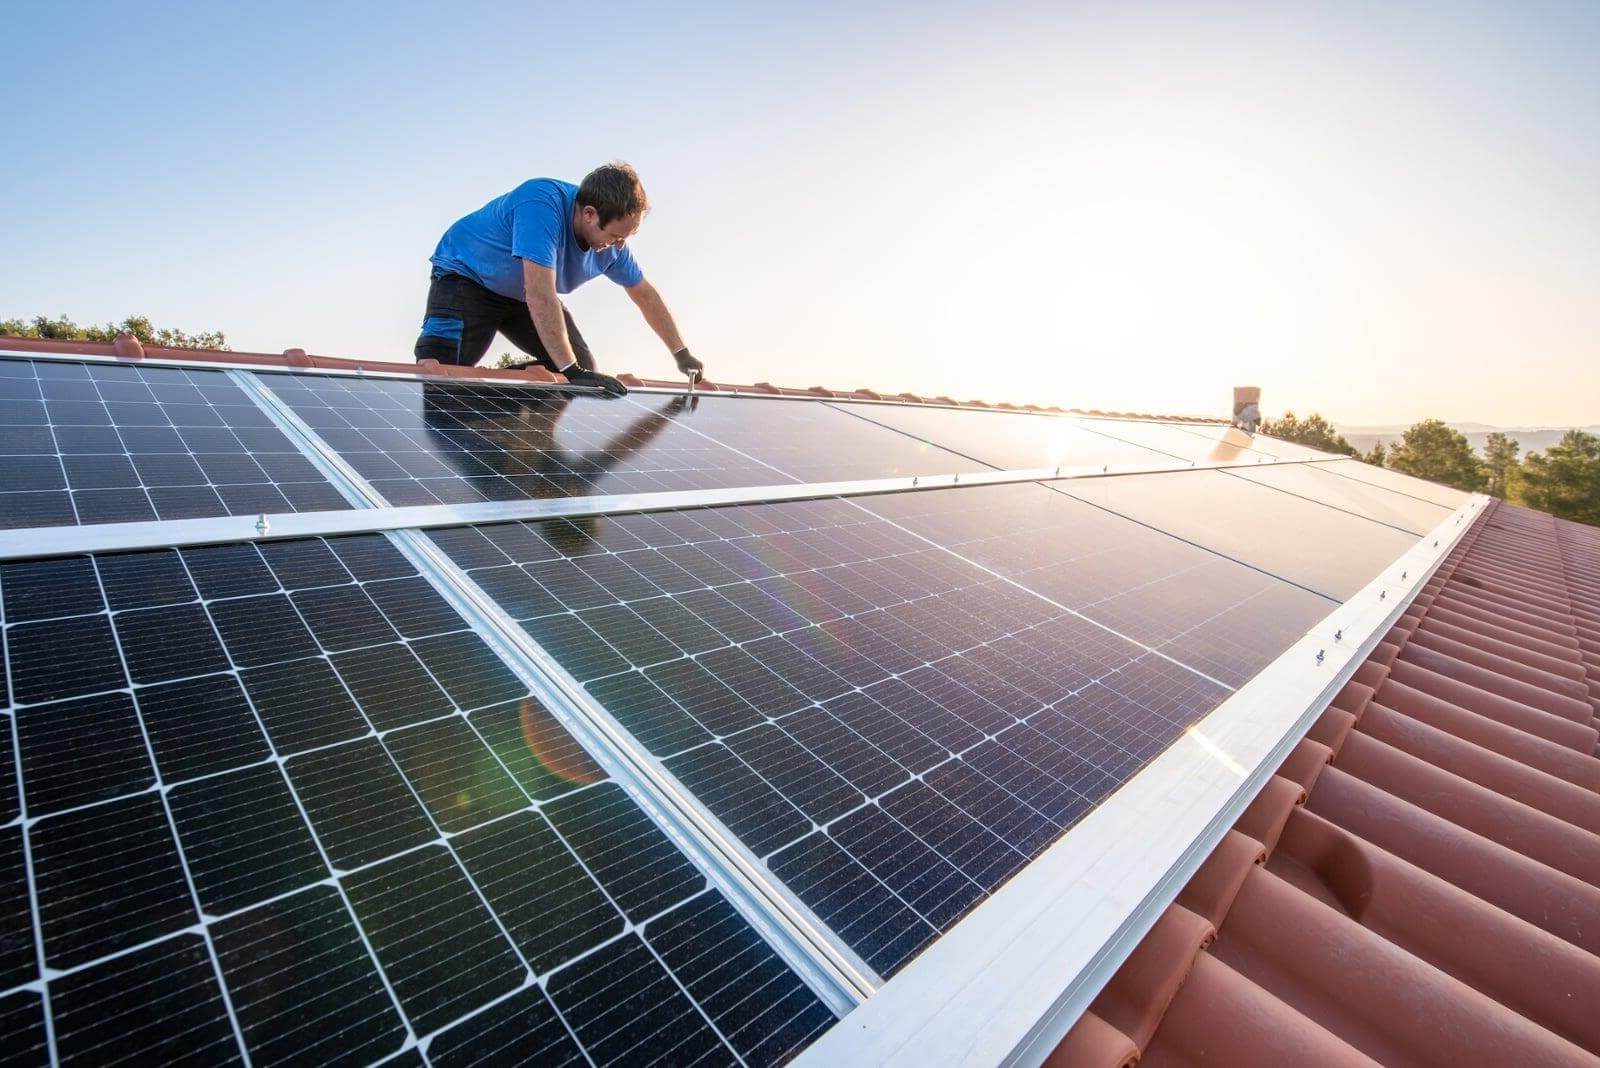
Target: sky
[{"x": 1378, "y": 211}]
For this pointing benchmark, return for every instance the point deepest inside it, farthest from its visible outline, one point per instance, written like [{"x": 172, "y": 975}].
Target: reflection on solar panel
[
  {"x": 98, "y": 443},
  {"x": 282, "y": 796},
  {"x": 1326, "y": 551},
  {"x": 815, "y": 443},
  {"x": 1195, "y": 443},
  {"x": 1323, "y": 483},
  {"x": 1009, "y": 440},
  {"x": 1233, "y": 437},
  {"x": 894, "y": 730},
  {"x": 454, "y": 443},
  {"x": 1393, "y": 480},
  {"x": 1212, "y": 613}
]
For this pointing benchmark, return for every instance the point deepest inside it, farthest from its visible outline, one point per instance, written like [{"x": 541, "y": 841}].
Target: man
[{"x": 500, "y": 270}]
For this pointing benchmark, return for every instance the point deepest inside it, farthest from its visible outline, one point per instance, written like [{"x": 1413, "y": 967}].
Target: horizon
[{"x": 1165, "y": 201}]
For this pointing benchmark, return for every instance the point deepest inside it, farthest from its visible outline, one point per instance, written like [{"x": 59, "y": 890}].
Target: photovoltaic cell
[
  {"x": 523, "y": 1027},
  {"x": 455, "y": 442},
  {"x": 291, "y": 778},
  {"x": 22, "y": 1022},
  {"x": 307, "y": 943},
  {"x": 161, "y": 1002},
  {"x": 113, "y": 443},
  {"x": 843, "y": 672}
]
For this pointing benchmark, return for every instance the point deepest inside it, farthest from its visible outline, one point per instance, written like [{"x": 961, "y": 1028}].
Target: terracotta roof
[
  {"x": 1420, "y": 881},
  {"x": 128, "y": 347}
]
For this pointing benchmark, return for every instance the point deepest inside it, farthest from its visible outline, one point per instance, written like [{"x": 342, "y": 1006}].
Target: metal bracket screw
[
  {"x": 1383, "y": 595},
  {"x": 262, "y": 526},
  {"x": 1320, "y": 654},
  {"x": 1338, "y": 635}
]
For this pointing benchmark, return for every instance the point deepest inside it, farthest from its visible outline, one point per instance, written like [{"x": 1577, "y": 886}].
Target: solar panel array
[
  {"x": 831, "y": 675},
  {"x": 283, "y": 798},
  {"x": 114, "y": 443},
  {"x": 283, "y": 801},
  {"x": 457, "y": 443}
]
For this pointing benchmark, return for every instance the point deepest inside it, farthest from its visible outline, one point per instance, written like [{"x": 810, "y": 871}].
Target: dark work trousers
[{"x": 463, "y": 317}]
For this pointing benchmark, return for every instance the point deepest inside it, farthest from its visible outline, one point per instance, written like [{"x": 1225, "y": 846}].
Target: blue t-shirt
[{"x": 532, "y": 222}]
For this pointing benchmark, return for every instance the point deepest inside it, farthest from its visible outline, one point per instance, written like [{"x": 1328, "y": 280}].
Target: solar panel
[
  {"x": 1320, "y": 548},
  {"x": 281, "y": 800},
  {"x": 892, "y": 729},
  {"x": 814, "y": 442},
  {"x": 1400, "y": 483},
  {"x": 1232, "y": 436},
  {"x": 1213, "y": 613},
  {"x": 112, "y": 443},
  {"x": 1008, "y": 440},
  {"x": 1194, "y": 442},
  {"x": 1326, "y": 484},
  {"x": 452, "y": 442}
]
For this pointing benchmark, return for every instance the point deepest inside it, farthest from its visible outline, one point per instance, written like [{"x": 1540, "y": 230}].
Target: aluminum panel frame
[{"x": 372, "y": 515}]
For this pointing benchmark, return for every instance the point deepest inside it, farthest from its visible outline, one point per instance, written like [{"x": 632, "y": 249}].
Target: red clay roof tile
[
  {"x": 128, "y": 347},
  {"x": 1431, "y": 886}
]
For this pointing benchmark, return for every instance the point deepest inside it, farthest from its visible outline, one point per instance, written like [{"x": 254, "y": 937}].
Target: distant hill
[{"x": 1530, "y": 438}]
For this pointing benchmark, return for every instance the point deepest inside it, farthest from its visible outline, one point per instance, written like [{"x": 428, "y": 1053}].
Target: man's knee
[{"x": 440, "y": 339}]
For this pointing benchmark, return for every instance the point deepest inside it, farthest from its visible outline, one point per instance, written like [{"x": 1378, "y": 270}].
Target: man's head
[{"x": 611, "y": 204}]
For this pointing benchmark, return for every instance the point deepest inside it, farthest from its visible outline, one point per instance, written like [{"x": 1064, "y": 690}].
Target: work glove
[
  {"x": 605, "y": 383},
  {"x": 688, "y": 366}
]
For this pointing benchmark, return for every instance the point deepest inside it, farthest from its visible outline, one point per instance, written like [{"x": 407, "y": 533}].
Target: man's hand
[
  {"x": 610, "y": 386},
  {"x": 688, "y": 366}
]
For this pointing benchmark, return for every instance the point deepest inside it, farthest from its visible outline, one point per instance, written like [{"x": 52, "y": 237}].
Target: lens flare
[{"x": 557, "y": 752}]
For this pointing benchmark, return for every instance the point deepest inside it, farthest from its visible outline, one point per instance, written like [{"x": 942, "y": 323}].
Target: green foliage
[
  {"x": 1432, "y": 450},
  {"x": 1313, "y": 430},
  {"x": 1378, "y": 456},
  {"x": 1499, "y": 458},
  {"x": 64, "y": 329},
  {"x": 1564, "y": 481}
]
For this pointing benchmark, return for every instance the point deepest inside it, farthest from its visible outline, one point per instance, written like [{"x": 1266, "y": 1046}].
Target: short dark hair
[{"x": 614, "y": 191}]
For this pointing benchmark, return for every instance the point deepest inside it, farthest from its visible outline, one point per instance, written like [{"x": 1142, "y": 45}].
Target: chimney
[{"x": 1247, "y": 408}]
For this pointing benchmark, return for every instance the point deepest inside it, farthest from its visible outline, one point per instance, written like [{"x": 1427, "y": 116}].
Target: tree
[
  {"x": 1499, "y": 457},
  {"x": 64, "y": 329},
  {"x": 1565, "y": 481},
  {"x": 1432, "y": 450},
  {"x": 1378, "y": 456},
  {"x": 1313, "y": 430}
]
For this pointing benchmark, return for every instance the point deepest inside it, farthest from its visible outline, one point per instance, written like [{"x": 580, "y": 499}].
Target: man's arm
[
  {"x": 539, "y": 290},
  {"x": 655, "y": 312}
]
